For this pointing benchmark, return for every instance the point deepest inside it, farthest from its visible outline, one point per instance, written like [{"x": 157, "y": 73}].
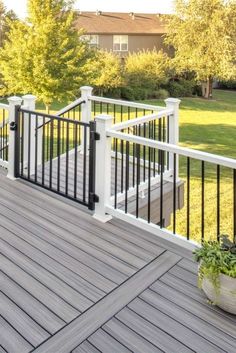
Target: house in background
[{"x": 123, "y": 33}]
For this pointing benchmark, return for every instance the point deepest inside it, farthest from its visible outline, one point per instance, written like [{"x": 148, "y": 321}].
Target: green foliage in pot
[{"x": 216, "y": 258}]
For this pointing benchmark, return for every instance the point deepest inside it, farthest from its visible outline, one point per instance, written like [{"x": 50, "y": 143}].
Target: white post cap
[
  {"x": 29, "y": 97},
  {"x": 14, "y": 99},
  {"x": 172, "y": 101},
  {"x": 86, "y": 88}
]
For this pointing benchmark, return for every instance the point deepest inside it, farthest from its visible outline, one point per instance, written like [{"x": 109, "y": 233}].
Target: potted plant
[{"x": 217, "y": 272}]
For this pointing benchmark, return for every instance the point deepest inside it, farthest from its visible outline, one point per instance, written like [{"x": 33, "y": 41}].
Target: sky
[{"x": 146, "y": 6}]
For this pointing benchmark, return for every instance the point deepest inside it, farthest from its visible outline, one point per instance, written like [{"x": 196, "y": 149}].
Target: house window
[
  {"x": 91, "y": 39},
  {"x": 120, "y": 43}
]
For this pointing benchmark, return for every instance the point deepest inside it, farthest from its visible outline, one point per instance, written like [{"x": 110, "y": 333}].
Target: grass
[{"x": 206, "y": 126}]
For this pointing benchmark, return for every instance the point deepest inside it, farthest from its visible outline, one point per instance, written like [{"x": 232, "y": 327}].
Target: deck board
[{"x": 69, "y": 283}]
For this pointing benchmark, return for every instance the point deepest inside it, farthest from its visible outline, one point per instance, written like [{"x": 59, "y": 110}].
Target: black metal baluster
[
  {"x": 159, "y": 139},
  {"x": 36, "y": 150},
  {"x": 134, "y": 153},
  {"x": 174, "y": 196},
  {"x": 116, "y": 172},
  {"x": 75, "y": 160},
  {"x": 29, "y": 144},
  {"x": 168, "y": 141},
  {"x": 137, "y": 178},
  {"x": 149, "y": 184},
  {"x": 67, "y": 156},
  {"x": 85, "y": 164},
  {"x": 51, "y": 152},
  {"x": 127, "y": 177},
  {"x": 154, "y": 150},
  {"x": 58, "y": 154},
  {"x": 144, "y": 152},
  {"x": 218, "y": 202},
  {"x": 188, "y": 198},
  {"x": 43, "y": 153},
  {"x": 22, "y": 144},
  {"x": 161, "y": 187},
  {"x": 203, "y": 202},
  {"x": 48, "y": 138}
]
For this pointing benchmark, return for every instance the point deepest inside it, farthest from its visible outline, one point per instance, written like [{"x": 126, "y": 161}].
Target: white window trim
[{"x": 121, "y": 35}]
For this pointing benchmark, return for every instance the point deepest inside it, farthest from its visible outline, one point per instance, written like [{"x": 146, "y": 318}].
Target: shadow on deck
[{"x": 71, "y": 284}]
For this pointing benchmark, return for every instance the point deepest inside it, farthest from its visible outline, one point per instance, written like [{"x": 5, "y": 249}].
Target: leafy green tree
[
  {"x": 203, "y": 33},
  {"x": 104, "y": 71},
  {"x": 45, "y": 55}
]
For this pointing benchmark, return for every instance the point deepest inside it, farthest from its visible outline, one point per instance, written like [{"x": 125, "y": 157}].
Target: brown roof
[{"x": 120, "y": 23}]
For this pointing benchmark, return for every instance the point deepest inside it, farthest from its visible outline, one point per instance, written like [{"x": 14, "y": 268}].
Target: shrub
[
  {"x": 135, "y": 93},
  {"x": 231, "y": 84},
  {"x": 147, "y": 69},
  {"x": 160, "y": 94},
  {"x": 181, "y": 88}
]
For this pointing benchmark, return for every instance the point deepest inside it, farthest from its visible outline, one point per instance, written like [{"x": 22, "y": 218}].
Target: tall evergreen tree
[
  {"x": 45, "y": 55},
  {"x": 203, "y": 33}
]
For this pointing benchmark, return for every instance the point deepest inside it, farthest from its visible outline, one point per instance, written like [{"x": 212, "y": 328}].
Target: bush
[
  {"x": 146, "y": 69},
  {"x": 160, "y": 94},
  {"x": 134, "y": 93},
  {"x": 182, "y": 88},
  {"x": 231, "y": 84}
]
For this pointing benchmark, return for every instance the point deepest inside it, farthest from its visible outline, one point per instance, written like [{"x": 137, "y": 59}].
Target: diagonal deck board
[{"x": 78, "y": 330}]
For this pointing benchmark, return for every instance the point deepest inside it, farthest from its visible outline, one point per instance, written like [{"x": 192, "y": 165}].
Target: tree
[
  {"x": 5, "y": 17},
  {"x": 203, "y": 33},
  {"x": 104, "y": 71},
  {"x": 44, "y": 55}
]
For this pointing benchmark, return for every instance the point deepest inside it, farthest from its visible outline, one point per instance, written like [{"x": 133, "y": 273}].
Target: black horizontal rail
[{"x": 61, "y": 116}]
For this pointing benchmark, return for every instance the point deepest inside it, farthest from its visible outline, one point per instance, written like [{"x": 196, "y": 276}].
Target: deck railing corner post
[
  {"x": 29, "y": 102},
  {"x": 13, "y": 103},
  {"x": 86, "y": 110},
  {"x": 173, "y": 104},
  {"x": 103, "y": 167}
]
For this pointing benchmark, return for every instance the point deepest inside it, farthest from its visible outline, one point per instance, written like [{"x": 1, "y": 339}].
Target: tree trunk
[
  {"x": 207, "y": 88},
  {"x": 47, "y": 106}
]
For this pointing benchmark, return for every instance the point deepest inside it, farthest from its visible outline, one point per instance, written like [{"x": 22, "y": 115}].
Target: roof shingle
[{"x": 120, "y": 23}]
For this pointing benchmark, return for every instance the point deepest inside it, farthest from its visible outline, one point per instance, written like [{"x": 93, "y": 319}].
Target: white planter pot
[{"x": 225, "y": 296}]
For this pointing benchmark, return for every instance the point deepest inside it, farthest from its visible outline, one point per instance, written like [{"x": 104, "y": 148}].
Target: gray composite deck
[{"x": 71, "y": 284}]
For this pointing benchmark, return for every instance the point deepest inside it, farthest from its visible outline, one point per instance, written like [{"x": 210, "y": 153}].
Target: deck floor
[{"x": 71, "y": 284}]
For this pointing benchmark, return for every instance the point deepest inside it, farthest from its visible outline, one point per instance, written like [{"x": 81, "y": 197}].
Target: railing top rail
[
  {"x": 183, "y": 151},
  {"x": 71, "y": 106},
  {"x": 52, "y": 117},
  {"x": 4, "y": 106},
  {"x": 126, "y": 103},
  {"x": 142, "y": 120}
]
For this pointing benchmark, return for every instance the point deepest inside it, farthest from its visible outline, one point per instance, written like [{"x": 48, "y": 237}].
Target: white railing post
[
  {"x": 13, "y": 102},
  {"x": 103, "y": 168},
  {"x": 29, "y": 104},
  {"x": 173, "y": 104},
  {"x": 86, "y": 112}
]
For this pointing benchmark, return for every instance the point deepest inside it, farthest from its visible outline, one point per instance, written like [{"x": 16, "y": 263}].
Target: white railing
[{"x": 200, "y": 164}]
